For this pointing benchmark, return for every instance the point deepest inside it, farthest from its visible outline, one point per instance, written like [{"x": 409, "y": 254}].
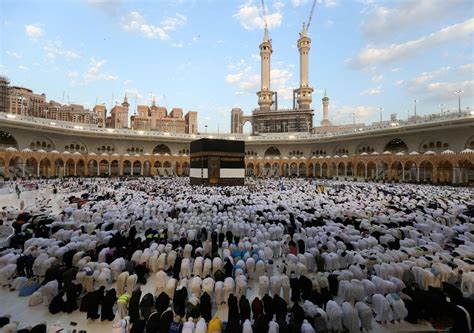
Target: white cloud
[
  {"x": 383, "y": 55},
  {"x": 233, "y": 78},
  {"x": 382, "y": 21},
  {"x": 127, "y": 82},
  {"x": 430, "y": 89},
  {"x": 466, "y": 69},
  {"x": 73, "y": 74},
  {"x": 108, "y": 6},
  {"x": 135, "y": 22},
  {"x": 250, "y": 17},
  {"x": 23, "y": 68},
  {"x": 33, "y": 31},
  {"x": 55, "y": 48},
  {"x": 177, "y": 45},
  {"x": 326, "y": 3},
  {"x": 395, "y": 70},
  {"x": 94, "y": 72},
  {"x": 133, "y": 93},
  {"x": 371, "y": 91},
  {"x": 377, "y": 78},
  {"x": 429, "y": 76},
  {"x": 329, "y": 23},
  {"x": 14, "y": 54},
  {"x": 345, "y": 114}
]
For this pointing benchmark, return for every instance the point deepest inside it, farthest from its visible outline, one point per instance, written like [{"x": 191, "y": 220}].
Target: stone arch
[
  {"x": 293, "y": 169},
  {"x": 445, "y": 170},
  {"x": 80, "y": 168},
  {"x": 382, "y": 170},
  {"x": 469, "y": 143},
  {"x": 364, "y": 147},
  {"x": 310, "y": 170},
  {"x": 76, "y": 146},
  {"x": 350, "y": 169},
  {"x": 114, "y": 168},
  {"x": 92, "y": 166},
  {"x": 411, "y": 171},
  {"x": 167, "y": 164},
  {"x": 161, "y": 149},
  {"x": 324, "y": 170},
  {"x": 108, "y": 148},
  {"x": 371, "y": 170},
  {"x": 426, "y": 171},
  {"x": 396, "y": 170},
  {"x": 396, "y": 145},
  {"x": 302, "y": 170},
  {"x": 341, "y": 168},
  {"x": 146, "y": 168},
  {"x": 45, "y": 168},
  {"x": 58, "y": 170},
  {"x": 360, "y": 170},
  {"x": 186, "y": 169},
  {"x": 434, "y": 144},
  {"x": 2, "y": 168},
  {"x": 42, "y": 142},
  {"x": 341, "y": 150},
  {"x": 127, "y": 168},
  {"x": 70, "y": 168},
  {"x": 317, "y": 170},
  {"x": 272, "y": 151},
  {"x": 104, "y": 168},
  {"x": 285, "y": 169},
  {"x": 31, "y": 167},
  {"x": 7, "y": 140},
  {"x": 15, "y": 167},
  {"x": 466, "y": 172}
]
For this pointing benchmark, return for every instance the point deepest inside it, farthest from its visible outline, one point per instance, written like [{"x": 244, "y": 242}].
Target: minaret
[
  {"x": 265, "y": 96},
  {"x": 325, "y": 121},
  {"x": 304, "y": 92}
]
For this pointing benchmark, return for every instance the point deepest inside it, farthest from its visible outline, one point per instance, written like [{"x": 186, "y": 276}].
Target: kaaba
[{"x": 217, "y": 162}]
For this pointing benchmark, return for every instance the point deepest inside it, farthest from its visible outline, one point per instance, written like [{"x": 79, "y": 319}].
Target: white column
[
  {"x": 110, "y": 169},
  {"x": 454, "y": 175},
  {"x": 75, "y": 169},
  {"x": 417, "y": 173},
  {"x": 403, "y": 172},
  {"x": 141, "y": 170},
  {"x": 345, "y": 170},
  {"x": 98, "y": 169},
  {"x": 38, "y": 170},
  {"x": 366, "y": 171}
]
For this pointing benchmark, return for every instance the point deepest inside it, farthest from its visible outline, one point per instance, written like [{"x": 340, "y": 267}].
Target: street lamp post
[
  {"x": 459, "y": 92},
  {"x": 414, "y": 108},
  {"x": 380, "y": 109}
]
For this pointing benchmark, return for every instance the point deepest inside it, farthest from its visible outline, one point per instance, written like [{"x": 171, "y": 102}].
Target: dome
[
  {"x": 77, "y": 153},
  {"x": 12, "y": 149},
  {"x": 26, "y": 150},
  {"x": 126, "y": 154},
  {"x": 285, "y": 157},
  {"x": 104, "y": 154},
  {"x": 430, "y": 152},
  {"x": 251, "y": 158},
  {"x": 166, "y": 154},
  {"x": 136, "y": 155},
  {"x": 329, "y": 156},
  {"x": 115, "y": 154},
  {"x": 467, "y": 151},
  {"x": 320, "y": 156},
  {"x": 41, "y": 151},
  {"x": 448, "y": 152},
  {"x": 147, "y": 154},
  {"x": 302, "y": 158},
  {"x": 92, "y": 154},
  {"x": 66, "y": 152},
  {"x": 268, "y": 158},
  {"x": 414, "y": 153},
  {"x": 345, "y": 155},
  {"x": 374, "y": 153},
  {"x": 157, "y": 154},
  {"x": 55, "y": 151},
  {"x": 386, "y": 152},
  {"x": 400, "y": 153},
  {"x": 293, "y": 158},
  {"x": 336, "y": 156},
  {"x": 364, "y": 154}
]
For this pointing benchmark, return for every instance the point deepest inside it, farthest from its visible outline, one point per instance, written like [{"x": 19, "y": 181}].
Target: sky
[{"x": 203, "y": 55}]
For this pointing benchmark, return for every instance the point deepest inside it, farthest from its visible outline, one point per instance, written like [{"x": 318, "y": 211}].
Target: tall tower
[
  {"x": 236, "y": 120},
  {"x": 325, "y": 121},
  {"x": 265, "y": 96},
  {"x": 124, "y": 112},
  {"x": 303, "y": 97}
]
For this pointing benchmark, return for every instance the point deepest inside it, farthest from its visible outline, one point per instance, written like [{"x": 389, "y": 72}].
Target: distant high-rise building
[{"x": 4, "y": 83}]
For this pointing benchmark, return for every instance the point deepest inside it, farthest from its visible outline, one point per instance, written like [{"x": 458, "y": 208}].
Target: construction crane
[
  {"x": 310, "y": 15},
  {"x": 265, "y": 16}
]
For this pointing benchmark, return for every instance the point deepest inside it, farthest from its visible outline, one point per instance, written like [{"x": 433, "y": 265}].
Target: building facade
[{"x": 431, "y": 150}]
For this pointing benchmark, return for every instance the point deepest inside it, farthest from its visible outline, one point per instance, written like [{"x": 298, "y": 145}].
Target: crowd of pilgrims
[{"x": 289, "y": 255}]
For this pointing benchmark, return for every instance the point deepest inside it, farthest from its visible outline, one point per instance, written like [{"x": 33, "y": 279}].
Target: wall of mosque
[{"x": 441, "y": 154}]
